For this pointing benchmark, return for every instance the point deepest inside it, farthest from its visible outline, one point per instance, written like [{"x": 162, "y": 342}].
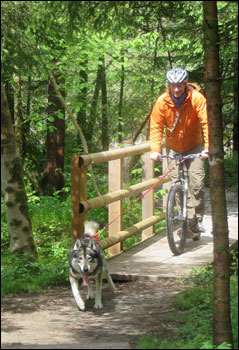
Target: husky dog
[{"x": 87, "y": 261}]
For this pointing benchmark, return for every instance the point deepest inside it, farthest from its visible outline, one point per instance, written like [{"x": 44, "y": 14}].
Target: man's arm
[
  {"x": 201, "y": 108},
  {"x": 157, "y": 123}
]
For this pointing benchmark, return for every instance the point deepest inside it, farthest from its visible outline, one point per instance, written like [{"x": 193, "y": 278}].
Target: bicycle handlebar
[{"x": 178, "y": 156}]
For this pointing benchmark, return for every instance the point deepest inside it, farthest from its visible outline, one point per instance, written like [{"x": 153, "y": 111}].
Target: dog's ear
[
  {"x": 93, "y": 243},
  {"x": 77, "y": 245}
]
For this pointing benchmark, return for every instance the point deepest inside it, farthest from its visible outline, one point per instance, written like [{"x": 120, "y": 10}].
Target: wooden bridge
[{"x": 151, "y": 258}]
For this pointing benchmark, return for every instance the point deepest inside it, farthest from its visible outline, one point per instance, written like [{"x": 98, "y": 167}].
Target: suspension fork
[
  {"x": 185, "y": 196},
  {"x": 184, "y": 183}
]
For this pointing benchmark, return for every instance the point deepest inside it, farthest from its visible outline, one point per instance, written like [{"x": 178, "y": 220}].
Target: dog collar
[{"x": 94, "y": 236}]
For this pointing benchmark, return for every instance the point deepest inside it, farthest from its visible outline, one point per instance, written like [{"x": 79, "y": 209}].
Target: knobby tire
[{"x": 176, "y": 226}]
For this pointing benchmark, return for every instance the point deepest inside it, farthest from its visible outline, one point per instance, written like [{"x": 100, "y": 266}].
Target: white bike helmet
[{"x": 176, "y": 76}]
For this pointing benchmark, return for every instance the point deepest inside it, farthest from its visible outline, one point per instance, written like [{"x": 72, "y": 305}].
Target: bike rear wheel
[{"x": 176, "y": 223}]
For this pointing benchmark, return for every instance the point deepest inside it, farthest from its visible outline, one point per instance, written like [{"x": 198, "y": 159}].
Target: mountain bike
[{"x": 176, "y": 213}]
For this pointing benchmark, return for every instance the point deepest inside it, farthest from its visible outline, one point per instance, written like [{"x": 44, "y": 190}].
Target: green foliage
[
  {"x": 230, "y": 171},
  {"x": 51, "y": 222},
  {"x": 194, "y": 325},
  {"x": 34, "y": 36},
  {"x": 19, "y": 275},
  {"x": 71, "y": 38},
  {"x": 149, "y": 342},
  {"x": 132, "y": 216}
]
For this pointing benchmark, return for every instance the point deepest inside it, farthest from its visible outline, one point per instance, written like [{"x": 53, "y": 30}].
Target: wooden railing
[{"x": 115, "y": 195}]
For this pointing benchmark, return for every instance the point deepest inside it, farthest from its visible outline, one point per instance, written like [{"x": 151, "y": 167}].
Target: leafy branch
[{"x": 76, "y": 125}]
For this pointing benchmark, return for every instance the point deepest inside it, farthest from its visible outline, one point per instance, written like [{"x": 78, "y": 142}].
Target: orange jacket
[{"x": 187, "y": 132}]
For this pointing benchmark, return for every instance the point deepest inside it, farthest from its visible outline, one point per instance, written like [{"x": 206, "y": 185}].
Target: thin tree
[
  {"x": 120, "y": 119},
  {"x": 235, "y": 97},
  {"x": 104, "y": 122},
  {"x": 222, "y": 330},
  {"x": 93, "y": 108},
  {"x": 55, "y": 140},
  {"x": 15, "y": 198},
  {"x": 82, "y": 98}
]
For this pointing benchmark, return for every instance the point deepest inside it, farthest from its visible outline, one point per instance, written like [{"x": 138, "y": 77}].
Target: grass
[{"x": 194, "y": 325}]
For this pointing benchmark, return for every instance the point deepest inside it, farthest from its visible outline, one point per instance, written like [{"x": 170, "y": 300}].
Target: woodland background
[{"x": 109, "y": 59}]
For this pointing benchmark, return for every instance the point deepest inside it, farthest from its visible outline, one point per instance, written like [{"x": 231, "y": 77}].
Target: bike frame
[
  {"x": 181, "y": 178},
  {"x": 177, "y": 231}
]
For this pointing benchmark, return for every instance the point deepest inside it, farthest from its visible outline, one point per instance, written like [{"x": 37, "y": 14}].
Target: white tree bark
[{"x": 15, "y": 199}]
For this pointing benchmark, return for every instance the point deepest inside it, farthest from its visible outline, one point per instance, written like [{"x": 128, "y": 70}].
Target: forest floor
[{"x": 51, "y": 320}]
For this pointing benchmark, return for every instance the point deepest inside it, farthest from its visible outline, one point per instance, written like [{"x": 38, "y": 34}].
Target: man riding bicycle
[{"x": 182, "y": 112}]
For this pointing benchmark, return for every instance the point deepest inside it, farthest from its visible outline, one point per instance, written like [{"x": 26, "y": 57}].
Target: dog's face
[{"x": 84, "y": 257}]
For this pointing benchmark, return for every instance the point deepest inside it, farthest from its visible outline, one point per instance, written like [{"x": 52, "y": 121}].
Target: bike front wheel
[{"x": 176, "y": 222}]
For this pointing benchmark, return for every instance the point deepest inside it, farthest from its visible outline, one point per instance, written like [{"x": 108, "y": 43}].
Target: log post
[
  {"x": 115, "y": 183},
  {"x": 147, "y": 201},
  {"x": 78, "y": 194}
]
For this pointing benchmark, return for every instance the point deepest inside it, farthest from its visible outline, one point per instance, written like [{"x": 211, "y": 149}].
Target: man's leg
[{"x": 196, "y": 175}]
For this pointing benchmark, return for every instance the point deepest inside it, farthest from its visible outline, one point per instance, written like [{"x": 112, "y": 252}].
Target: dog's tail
[{"x": 91, "y": 227}]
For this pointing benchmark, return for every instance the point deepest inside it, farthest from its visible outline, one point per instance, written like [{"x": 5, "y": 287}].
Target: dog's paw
[
  {"x": 113, "y": 289},
  {"x": 90, "y": 295},
  {"x": 98, "y": 305},
  {"x": 81, "y": 306}
]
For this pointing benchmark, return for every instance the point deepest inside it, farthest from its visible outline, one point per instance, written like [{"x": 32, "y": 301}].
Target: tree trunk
[
  {"x": 81, "y": 115},
  {"x": 104, "y": 125},
  {"x": 18, "y": 120},
  {"x": 10, "y": 95},
  {"x": 15, "y": 199},
  {"x": 28, "y": 109},
  {"x": 120, "y": 121},
  {"x": 222, "y": 330},
  {"x": 235, "y": 122},
  {"x": 93, "y": 109},
  {"x": 55, "y": 142}
]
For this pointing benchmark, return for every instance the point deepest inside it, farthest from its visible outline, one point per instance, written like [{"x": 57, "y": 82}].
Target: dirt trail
[{"x": 51, "y": 320}]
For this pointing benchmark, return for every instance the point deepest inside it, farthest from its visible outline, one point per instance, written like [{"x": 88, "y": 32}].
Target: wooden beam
[
  {"x": 86, "y": 159},
  {"x": 108, "y": 198},
  {"x": 120, "y": 236}
]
